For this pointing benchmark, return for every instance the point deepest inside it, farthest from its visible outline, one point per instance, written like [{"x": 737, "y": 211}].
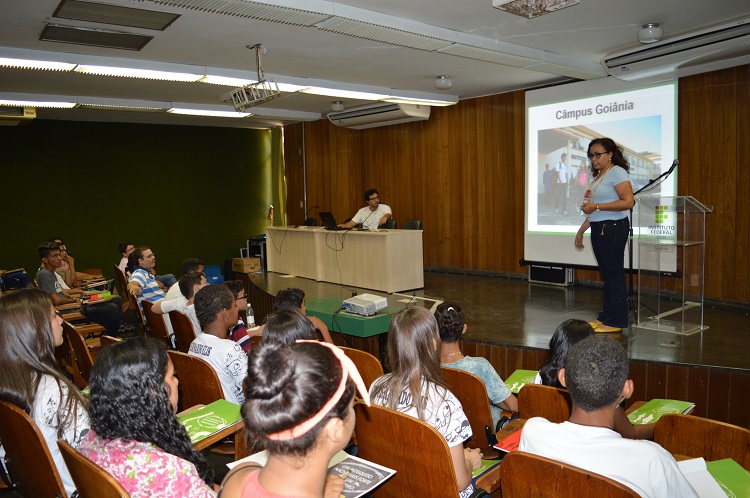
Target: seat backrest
[
  {"x": 412, "y": 225},
  {"x": 413, "y": 448},
  {"x": 27, "y": 456},
  {"x": 83, "y": 358},
  {"x": 156, "y": 326},
  {"x": 310, "y": 222},
  {"x": 702, "y": 437},
  {"x": 390, "y": 223},
  {"x": 184, "y": 333},
  {"x": 91, "y": 480},
  {"x": 199, "y": 382},
  {"x": 472, "y": 393},
  {"x": 552, "y": 403},
  {"x": 523, "y": 475},
  {"x": 369, "y": 367},
  {"x": 123, "y": 281}
]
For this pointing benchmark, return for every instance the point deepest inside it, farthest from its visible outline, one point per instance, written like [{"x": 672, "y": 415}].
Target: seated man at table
[
  {"x": 295, "y": 298},
  {"x": 216, "y": 309},
  {"x": 596, "y": 376},
  {"x": 106, "y": 313},
  {"x": 371, "y": 216}
]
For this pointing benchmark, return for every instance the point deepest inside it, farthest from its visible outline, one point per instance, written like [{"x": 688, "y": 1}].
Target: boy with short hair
[{"x": 596, "y": 376}]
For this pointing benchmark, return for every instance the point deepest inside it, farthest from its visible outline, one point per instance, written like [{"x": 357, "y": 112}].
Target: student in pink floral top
[{"x": 135, "y": 435}]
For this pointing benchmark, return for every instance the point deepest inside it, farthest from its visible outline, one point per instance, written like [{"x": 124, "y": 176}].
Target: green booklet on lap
[
  {"x": 733, "y": 479},
  {"x": 654, "y": 409},
  {"x": 520, "y": 378},
  {"x": 210, "y": 419}
]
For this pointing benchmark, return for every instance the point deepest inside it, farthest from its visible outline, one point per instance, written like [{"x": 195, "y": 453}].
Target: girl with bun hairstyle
[
  {"x": 135, "y": 434},
  {"x": 299, "y": 405}
]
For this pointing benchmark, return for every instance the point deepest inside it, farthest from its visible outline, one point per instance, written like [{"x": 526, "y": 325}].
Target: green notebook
[
  {"x": 731, "y": 477},
  {"x": 486, "y": 465},
  {"x": 520, "y": 378},
  {"x": 210, "y": 419},
  {"x": 654, "y": 409}
]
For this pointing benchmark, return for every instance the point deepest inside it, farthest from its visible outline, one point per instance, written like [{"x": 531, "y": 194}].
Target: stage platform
[{"x": 510, "y": 322}]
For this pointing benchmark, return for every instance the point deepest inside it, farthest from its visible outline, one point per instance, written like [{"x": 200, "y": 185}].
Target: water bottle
[{"x": 250, "y": 316}]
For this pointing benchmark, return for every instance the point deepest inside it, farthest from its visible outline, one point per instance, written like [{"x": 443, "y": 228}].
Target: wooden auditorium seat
[
  {"x": 694, "y": 437},
  {"x": 369, "y": 367},
  {"x": 184, "y": 334},
  {"x": 91, "y": 480},
  {"x": 552, "y": 403},
  {"x": 157, "y": 328},
  {"x": 472, "y": 393},
  {"x": 27, "y": 456},
  {"x": 418, "y": 453},
  {"x": 523, "y": 475},
  {"x": 108, "y": 340},
  {"x": 82, "y": 356},
  {"x": 199, "y": 382}
]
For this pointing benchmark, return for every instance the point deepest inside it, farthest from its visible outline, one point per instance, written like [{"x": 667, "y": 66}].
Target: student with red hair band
[{"x": 299, "y": 405}]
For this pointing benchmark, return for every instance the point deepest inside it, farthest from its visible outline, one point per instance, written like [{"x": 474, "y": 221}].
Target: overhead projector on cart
[{"x": 365, "y": 304}]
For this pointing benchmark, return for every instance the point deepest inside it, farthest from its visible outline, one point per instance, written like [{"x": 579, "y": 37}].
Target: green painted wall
[{"x": 184, "y": 191}]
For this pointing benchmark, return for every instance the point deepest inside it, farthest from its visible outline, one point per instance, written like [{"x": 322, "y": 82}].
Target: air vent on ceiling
[
  {"x": 94, "y": 37},
  {"x": 252, "y": 10},
  {"x": 14, "y": 116},
  {"x": 114, "y": 14}
]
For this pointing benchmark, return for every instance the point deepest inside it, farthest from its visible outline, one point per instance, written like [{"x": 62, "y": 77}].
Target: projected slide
[{"x": 561, "y": 122}]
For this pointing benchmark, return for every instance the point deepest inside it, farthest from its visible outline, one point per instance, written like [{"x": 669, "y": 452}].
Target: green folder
[
  {"x": 733, "y": 479},
  {"x": 654, "y": 409},
  {"x": 520, "y": 378},
  {"x": 210, "y": 419}
]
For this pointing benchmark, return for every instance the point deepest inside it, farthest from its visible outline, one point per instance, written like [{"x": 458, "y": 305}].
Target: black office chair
[
  {"x": 390, "y": 223},
  {"x": 309, "y": 222},
  {"x": 412, "y": 225}
]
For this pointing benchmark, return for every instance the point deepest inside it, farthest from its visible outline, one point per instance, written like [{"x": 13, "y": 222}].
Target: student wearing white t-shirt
[
  {"x": 416, "y": 387},
  {"x": 216, "y": 309},
  {"x": 189, "y": 284},
  {"x": 596, "y": 376}
]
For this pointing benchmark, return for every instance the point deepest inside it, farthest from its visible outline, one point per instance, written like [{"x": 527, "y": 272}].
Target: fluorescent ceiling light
[
  {"x": 212, "y": 79},
  {"x": 203, "y": 112},
  {"x": 411, "y": 100},
  {"x": 31, "y": 64},
  {"x": 343, "y": 94},
  {"x": 34, "y": 103},
  {"x": 126, "y": 72},
  {"x": 290, "y": 88}
]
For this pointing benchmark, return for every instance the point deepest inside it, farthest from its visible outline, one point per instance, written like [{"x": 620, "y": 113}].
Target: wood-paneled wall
[{"x": 462, "y": 174}]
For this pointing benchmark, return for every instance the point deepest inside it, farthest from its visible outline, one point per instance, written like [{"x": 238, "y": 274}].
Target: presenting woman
[{"x": 606, "y": 204}]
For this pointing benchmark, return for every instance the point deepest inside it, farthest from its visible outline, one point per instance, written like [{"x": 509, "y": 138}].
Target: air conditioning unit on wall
[
  {"x": 710, "y": 49},
  {"x": 379, "y": 114},
  {"x": 14, "y": 116}
]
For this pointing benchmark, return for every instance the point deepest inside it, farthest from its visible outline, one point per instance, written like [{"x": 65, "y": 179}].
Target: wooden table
[{"x": 384, "y": 260}]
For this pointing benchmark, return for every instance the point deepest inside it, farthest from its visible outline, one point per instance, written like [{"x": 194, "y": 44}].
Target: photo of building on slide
[{"x": 565, "y": 173}]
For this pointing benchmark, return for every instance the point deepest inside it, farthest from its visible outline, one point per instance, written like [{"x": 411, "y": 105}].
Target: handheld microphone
[{"x": 675, "y": 163}]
